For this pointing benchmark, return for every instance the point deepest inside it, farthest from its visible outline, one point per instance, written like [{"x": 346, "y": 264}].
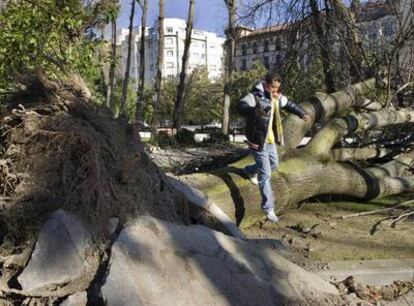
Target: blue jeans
[{"x": 266, "y": 161}]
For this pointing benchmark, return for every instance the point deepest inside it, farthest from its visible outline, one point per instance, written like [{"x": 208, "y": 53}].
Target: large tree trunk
[
  {"x": 313, "y": 170},
  {"x": 352, "y": 42},
  {"x": 228, "y": 73},
  {"x": 160, "y": 60},
  {"x": 179, "y": 103},
  {"x": 128, "y": 62},
  {"x": 140, "y": 95},
  {"x": 322, "y": 38}
]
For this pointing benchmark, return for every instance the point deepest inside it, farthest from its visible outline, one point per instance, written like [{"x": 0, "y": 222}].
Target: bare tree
[
  {"x": 160, "y": 60},
  {"x": 140, "y": 96},
  {"x": 111, "y": 84},
  {"x": 228, "y": 73},
  {"x": 347, "y": 18},
  {"x": 322, "y": 37},
  {"x": 179, "y": 103},
  {"x": 128, "y": 61}
]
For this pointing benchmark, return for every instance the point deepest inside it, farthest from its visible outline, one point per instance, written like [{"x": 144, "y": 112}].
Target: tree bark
[
  {"x": 322, "y": 107},
  {"x": 323, "y": 46},
  {"x": 228, "y": 73},
  {"x": 140, "y": 95},
  {"x": 352, "y": 41},
  {"x": 179, "y": 103},
  {"x": 160, "y": 60},
  {"x": 128, "y": 62}
]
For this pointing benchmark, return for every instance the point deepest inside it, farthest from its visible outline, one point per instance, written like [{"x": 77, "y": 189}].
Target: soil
[{"x": 314, "y": 235}]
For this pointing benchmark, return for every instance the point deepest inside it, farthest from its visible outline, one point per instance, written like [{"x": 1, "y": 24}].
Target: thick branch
[
  {"x": 345, "y": 154},
  {"x": 322, "y": 106},
  {"x": 396, "y": 168},
  {"x": 334, "y": 130}
]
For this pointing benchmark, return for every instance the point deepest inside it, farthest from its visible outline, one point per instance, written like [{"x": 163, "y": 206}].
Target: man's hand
[
  {"x": 253, "y": 146},
  {"x": 307, "y": 119}
]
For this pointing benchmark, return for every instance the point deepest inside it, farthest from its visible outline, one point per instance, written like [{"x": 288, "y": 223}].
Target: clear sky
[{"x": 210, "y": 15}]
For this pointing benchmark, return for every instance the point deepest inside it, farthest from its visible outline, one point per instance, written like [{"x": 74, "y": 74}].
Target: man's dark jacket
[{"x": 257, "y": 126}]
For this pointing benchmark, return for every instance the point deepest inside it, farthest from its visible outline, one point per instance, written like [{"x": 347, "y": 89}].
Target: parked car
[{"x": 213, "y": 125}]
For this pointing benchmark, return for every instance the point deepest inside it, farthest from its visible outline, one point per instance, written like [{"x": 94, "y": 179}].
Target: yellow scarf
[{"x": 275, "y": 122}]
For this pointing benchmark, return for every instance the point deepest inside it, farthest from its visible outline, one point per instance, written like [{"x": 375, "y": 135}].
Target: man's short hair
[{"x": 272, "y": 76}]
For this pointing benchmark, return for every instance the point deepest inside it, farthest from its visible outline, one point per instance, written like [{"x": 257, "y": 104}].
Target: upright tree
[
  {"x": 128, "y": 62},
  {"x": 110, "y": 92},
  {"x": 346, "y": 19},
  {"x": 228, "y": 72},
  {"x": 140, "y": 95},
  {"x": 322, "y": 37},
  {"x": 179, "y": 103},
  {"x": 160, "y": 60}
]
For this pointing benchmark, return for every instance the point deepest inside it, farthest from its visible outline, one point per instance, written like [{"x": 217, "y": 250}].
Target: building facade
[
  {"x": 270, "y": 46},
  {"x": 206, "y": 51}
]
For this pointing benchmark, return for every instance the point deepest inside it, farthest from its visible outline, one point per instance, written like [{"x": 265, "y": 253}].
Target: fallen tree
[
  {"x": 327, "y": 165},
  {"x": 79, "y": 186},
  {"x": 75, "y": 184}
]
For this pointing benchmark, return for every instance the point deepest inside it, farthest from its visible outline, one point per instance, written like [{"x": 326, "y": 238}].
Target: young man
[{"x": 261, "y": 107}]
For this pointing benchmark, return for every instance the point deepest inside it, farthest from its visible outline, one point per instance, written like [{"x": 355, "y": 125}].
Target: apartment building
[
  {"x": 206, "y": 50},
  {"x": 377, "y": 27},
  {"x": 267, "y": 45}
]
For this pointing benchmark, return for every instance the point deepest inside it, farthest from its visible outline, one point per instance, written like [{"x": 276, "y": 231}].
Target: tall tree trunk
[
  {"x": 111, "y": 84},
  {"x": 160, "y": 60},
  {"x": 128, "y": 62},
  {"x": 352, "y": 42},
  {"x": 323, "y": 45},
  {"x": 228, "y": 73},
  {"x": 179, "y": 103},
  {"x": 140, "y": 95}
]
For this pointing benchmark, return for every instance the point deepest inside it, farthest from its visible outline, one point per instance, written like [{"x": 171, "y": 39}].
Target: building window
[
  {"x": 244, "y": 65},
  {"x": 244, "y": 50},
  {"x": 169, "y": 30},
  {"x": 170, "y": 53},
  {"x": 169, "y": 41},
  {"x": 388, "y": 29},
  {"x": 254, "y": 47},
  {"x": 170, "y": 76},
  {"x": 278, "y": 45},
  {"x": 266, "y": 61},
  {"x": 278, "y": 60},
  {"x": 266, "y": 46},
  {"x": 169, "y": 65}
]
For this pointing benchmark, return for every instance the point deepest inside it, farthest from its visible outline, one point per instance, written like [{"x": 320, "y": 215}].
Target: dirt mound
[{"x": 59, "y": 150}]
